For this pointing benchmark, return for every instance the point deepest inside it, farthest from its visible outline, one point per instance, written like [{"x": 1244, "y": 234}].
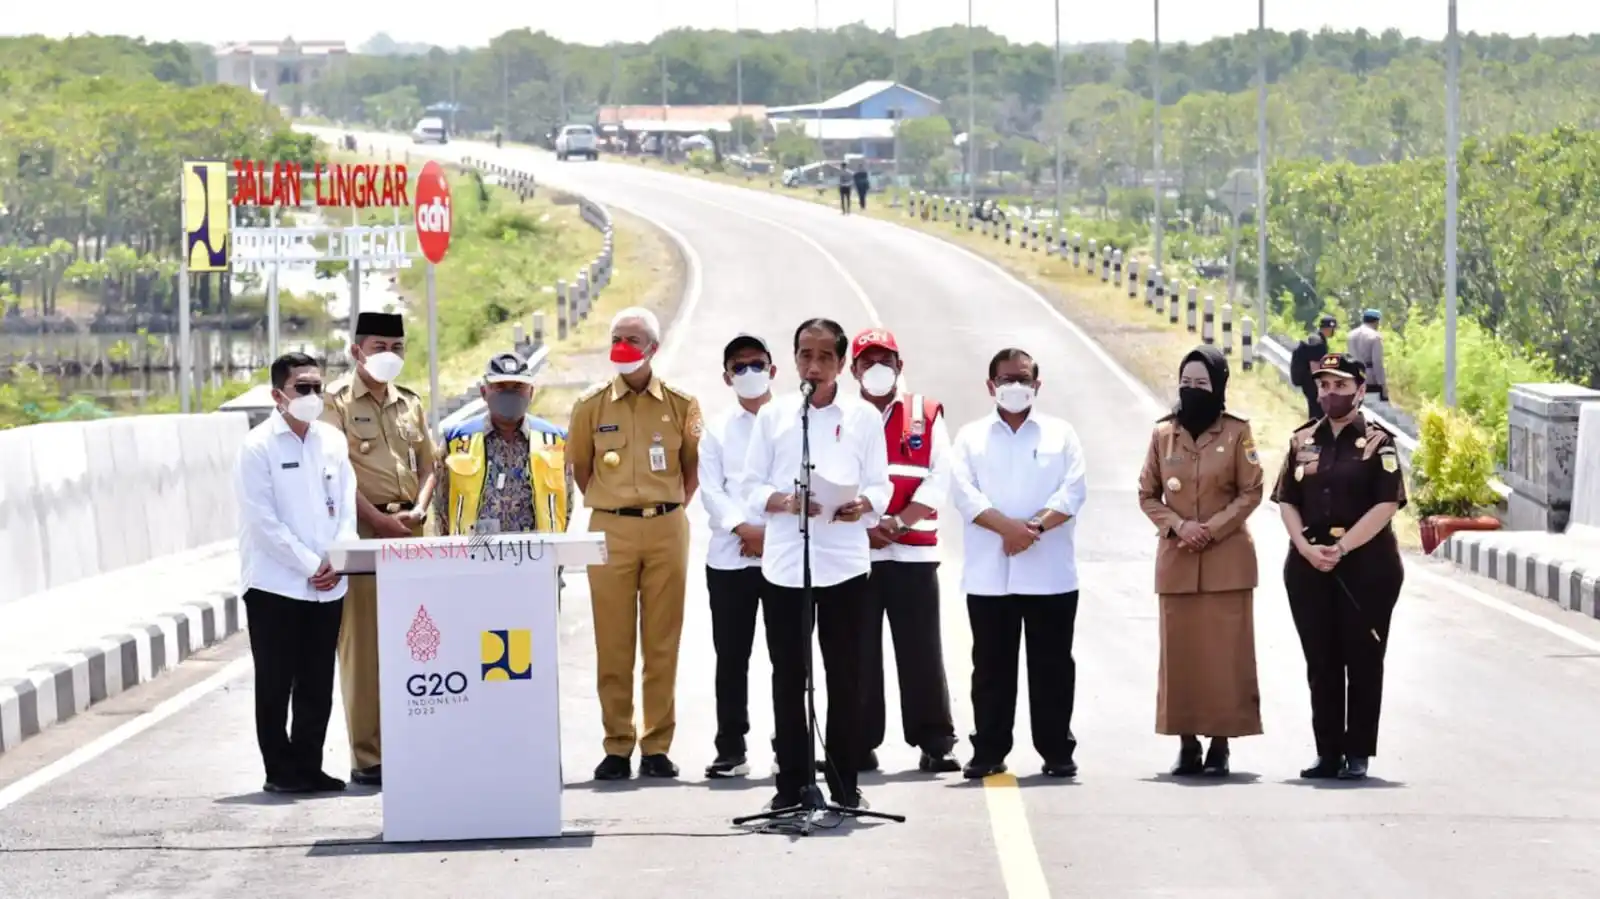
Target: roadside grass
[{"x": 1138, "y": 337}]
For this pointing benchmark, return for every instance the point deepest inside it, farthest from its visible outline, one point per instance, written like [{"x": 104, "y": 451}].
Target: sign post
[
  {"x": 203, "y": 209},
  {"x": 433, "y": 236},
  {"x": 1239, "y": 195}
]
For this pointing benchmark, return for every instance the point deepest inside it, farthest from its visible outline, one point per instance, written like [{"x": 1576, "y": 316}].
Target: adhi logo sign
[
  {"x": 423, "y": 638},
  {"x": 433, "y": 213}
]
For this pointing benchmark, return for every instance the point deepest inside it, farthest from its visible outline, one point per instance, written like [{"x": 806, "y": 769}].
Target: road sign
[
  {"x": 433, "y": 213},
  {"x": 1238, "y": 193}
]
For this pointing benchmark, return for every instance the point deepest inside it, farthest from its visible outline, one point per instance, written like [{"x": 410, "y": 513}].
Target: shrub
[{"x": 1453, "y": 465}]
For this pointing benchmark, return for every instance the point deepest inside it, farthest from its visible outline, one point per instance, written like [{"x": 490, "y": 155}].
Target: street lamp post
[
  {"x": 1155, "y": 84},
  {"x": 897, "y": 113},
  {"x": 1451, "y": 199},
  {"x": 972, "y": 110},
  {"x": 1056, "y": 128},
  {"x": 1261, "y": 169},
  {"x": 816, "y": 38},
  {"x": 738, "y": 75}
]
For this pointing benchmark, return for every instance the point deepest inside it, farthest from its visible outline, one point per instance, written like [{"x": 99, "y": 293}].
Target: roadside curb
[
  {"x": 57, "y": 691},
  {"x": 1563, "y": 582}
]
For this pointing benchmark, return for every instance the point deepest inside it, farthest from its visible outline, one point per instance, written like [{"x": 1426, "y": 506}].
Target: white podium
[{"x": 468, "y": 674}]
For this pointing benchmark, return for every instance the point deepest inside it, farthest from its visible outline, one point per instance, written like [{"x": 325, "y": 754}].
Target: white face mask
[
  {"x": 384, "y": 367},
  {"x": 1014, "y": 397},
  {"x": 305, "y": 408},
  {"x": 752, "y": 384},
  {"x": 628, "y": 368},
  {"x": 879, "y": 380}
]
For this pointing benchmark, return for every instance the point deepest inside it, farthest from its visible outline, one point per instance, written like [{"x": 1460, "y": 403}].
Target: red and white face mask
[{"x": 626, "y": 357}]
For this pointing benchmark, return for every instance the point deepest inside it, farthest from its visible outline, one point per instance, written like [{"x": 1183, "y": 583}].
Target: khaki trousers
[
  {"x": 638, "y": 595},
  {"x": 358, "y": 667}
]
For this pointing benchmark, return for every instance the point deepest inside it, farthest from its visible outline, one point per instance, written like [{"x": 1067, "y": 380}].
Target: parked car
[
  {"x": 430, "y": 131},
  {"x": 577, "y": 140}
]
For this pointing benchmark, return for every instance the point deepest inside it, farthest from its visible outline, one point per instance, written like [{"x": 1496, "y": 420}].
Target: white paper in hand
[{"x": 832, "y": 487}]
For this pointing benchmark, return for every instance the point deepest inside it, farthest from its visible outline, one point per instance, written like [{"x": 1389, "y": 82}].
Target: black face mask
[
  {"x": 1337, "y": 405},
  {"x": 1198, "y": 408}
]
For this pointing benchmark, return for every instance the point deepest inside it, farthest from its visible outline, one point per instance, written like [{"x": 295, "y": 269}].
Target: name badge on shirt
[
  {"x": 291, "y": 465},
  {"x": 413, "y": 454},
  {"x": 658, "y": 457}
]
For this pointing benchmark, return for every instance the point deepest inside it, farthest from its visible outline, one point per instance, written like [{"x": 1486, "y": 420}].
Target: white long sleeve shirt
[
  {"x": 1019, "y": 473},
  {"x": 846, "y": 447},
  {"x": 297, "y": 498},
  {"x": 722, "y": 453},
  {"x": 933, "y": 492}
]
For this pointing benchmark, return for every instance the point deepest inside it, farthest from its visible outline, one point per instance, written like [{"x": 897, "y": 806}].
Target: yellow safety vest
[{"x": 547, "y": 469}]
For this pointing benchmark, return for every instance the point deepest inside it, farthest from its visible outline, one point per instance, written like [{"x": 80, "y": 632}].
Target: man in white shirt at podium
[
  {"x": 847, "y": 448},
  {"x": 297, "y": 497}
]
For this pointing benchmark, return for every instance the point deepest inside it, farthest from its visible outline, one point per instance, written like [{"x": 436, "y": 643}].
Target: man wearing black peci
[{"x": 847, "y": 448}]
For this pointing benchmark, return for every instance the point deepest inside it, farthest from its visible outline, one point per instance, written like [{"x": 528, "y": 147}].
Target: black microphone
[{"x": 807, "y": 388}]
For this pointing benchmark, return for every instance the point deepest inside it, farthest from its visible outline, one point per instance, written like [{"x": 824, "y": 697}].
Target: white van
[
  {"x": 576, "y": 140},
  {"x": 430, "y": 131}
]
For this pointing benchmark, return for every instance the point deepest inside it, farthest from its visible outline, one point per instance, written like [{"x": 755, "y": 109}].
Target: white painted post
[
  {"x": 538, "y": 329},
  {"x": 1227, "y": 329},
  {"x": 1194, "y": 301},
  {"x": 1206, "y": 328},
  {"x": 563, "y": 311},
  {"x": 1133, "y": 278},
  {"x": 1247, "y": 342},
  {"x": 1116, "y": 266}
]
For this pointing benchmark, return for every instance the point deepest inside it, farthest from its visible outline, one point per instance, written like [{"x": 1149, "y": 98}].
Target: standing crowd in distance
[{"x": 362, "y": 463}]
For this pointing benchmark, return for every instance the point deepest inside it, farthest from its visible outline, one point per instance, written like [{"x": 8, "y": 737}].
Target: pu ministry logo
[
  {"x": 423, "y": 638},
  {"x": 507, "y": 655}
]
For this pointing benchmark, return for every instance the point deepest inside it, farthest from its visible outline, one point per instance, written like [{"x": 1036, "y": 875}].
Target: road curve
[{"x": 1480, "y": 789}]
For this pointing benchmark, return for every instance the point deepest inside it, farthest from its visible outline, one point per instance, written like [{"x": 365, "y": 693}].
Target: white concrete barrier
[
  {"x": 79, "y": 499},
  {"x": 1586, "y": 475}
]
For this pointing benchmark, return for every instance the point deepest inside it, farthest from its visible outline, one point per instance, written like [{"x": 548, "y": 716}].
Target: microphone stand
[{"x": 803, "y": 818}]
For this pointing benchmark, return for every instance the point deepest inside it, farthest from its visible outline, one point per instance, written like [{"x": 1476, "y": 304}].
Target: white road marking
[{"x": 81, "y": 756}]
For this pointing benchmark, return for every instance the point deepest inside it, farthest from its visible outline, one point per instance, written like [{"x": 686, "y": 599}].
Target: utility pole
[
  {"x": 1155, "y": 84},
  {"x": 972, "y": 110},
  {"x": 661, "y": 142},
  {"x": 1261, "y": 170},
  {"x": 1056, "y": 128},
  {"x": 738, "y": 74},
  {"x": 816, "y": 37},
  {"x": 505, "y": 90},
  {"x": 1451, "y": 198},
  {"x": 898, "y": 113}
]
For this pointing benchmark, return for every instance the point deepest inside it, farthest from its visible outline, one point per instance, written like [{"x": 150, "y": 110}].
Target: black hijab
[{"x": 1198, "y": 410}]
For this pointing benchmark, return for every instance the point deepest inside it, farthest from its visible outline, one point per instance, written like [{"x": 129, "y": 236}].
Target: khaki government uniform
[
  {"x": 392, "y": 455},
  {"x": 1207, "y": 680},
  {"x": 639, "y": 592}
]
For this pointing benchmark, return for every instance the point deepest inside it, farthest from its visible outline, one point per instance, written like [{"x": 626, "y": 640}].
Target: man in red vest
[{"x": 905, "y": 563}]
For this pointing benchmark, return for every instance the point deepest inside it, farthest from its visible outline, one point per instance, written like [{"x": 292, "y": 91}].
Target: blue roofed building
[{"x": 859, "y": 120}]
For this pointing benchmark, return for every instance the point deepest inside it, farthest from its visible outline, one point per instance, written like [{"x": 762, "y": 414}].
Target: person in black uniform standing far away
[
  {"x": 1306, "y": 357},
  {"x": 1339, "y": 489}
]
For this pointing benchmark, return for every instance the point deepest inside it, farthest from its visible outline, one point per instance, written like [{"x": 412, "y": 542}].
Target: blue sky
[{"x": 597, "y": 21}]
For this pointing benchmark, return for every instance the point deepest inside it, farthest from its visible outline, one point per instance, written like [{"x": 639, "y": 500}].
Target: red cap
[{"x": 873, "y": 337}]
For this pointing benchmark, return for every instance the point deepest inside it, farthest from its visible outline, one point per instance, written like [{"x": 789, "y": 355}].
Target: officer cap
[
  {"x": 873, "y": 337},
  {"x": 1328, "y": 321},
  {"x": 743, "y": 342},
  {"x": 507, "y": 368},
  {"x": 380, "y": 324},
  {"x": 1371, "y": 315},
  {"x": 1339, "y": 365}
]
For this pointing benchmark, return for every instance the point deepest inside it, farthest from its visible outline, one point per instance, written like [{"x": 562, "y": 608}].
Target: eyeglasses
[
  {"x": 307, "y": 388},
  {"x": 747, "y": 367}
]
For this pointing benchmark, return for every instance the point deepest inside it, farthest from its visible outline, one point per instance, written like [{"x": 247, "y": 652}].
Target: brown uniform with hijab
[
  {"x": 1212, "y": 476},
  {"x": 1343, "y": 615}
]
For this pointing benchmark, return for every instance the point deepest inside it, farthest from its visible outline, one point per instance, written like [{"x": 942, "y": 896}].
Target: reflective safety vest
[
  {"x": 547, "y": 469},
  {"x": 909, "y": 435}
]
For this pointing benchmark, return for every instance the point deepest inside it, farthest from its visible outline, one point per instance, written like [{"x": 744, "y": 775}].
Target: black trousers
[
  {"x": 861, "y": 195},
  {"x": 735, "y": 602},
  {"x": 1313, "y": 408},
  {"x": 293, "y": 644},
  {"x": 998, "y": 625},
  {"x": 1344, "y": 664},
  {"x": 907, "y": 593},
  {"x": 838, "y": 626},
  {"x": 844, "y": 198}
]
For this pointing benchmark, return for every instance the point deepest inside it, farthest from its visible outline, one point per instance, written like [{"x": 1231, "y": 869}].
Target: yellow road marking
[{"x": 1013, "y": 840}]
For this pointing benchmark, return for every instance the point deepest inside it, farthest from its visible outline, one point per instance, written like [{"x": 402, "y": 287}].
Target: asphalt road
[{"x": 1482, "y": 787}]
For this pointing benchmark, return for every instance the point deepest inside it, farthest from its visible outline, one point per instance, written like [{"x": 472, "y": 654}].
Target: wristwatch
[
  {"x": 1340, "y": 547},
  {"x": 895, "y": 523},
  {"x": 1037, "y": 523}
]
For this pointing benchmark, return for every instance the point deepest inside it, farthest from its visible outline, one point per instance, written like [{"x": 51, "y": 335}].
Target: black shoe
[
  {"x": 657, "y": 765},
  {"x": 322, "y": 782},
  {"x": 977, "y": 770},
  {"x": 1068, "y": 768},
  {"x": 942, "y": 763},
  {"x": 783, "y": 801},
  {"x": 1355, "y": 768},
  {"x": 1217, "y": 759},
  {"x": 854, "y": 800},
  {"x": 613, "y": 767},
  {"x": 727, "y": 766},
  {"x": 1326, "y": 767},
  {"x": 1189, "y": 759},
  {"x": 286, "y": 785},
  {"x": 368, "y": 777}
]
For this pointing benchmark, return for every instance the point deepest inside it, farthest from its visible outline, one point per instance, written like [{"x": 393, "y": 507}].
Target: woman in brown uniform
[{"x": 1201, "y": 480}]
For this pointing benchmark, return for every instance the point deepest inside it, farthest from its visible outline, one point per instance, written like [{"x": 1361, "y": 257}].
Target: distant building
[
  {"x": 272, "y": 69},
  {"x": 860, "y": 120}
]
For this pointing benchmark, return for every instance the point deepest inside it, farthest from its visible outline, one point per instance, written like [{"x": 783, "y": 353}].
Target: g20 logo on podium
[
  {"x": 507, "y": 655},
  {"x": 431, "y": 689}
]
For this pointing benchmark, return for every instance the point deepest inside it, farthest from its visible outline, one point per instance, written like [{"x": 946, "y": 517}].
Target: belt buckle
[
  {"x": 1336, "y": 533},
  {"x": 648, "y": 512}
]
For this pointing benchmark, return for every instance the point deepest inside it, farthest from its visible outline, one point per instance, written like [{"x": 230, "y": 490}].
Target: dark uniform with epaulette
[
  {"x": 1334, "y": 480},
  {"x": 393, "y": 456},
  {"x": 642, "y": 450}
]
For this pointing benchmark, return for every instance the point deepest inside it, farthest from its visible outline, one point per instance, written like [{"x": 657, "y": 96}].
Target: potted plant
[{"x": 1452, "y": 469}]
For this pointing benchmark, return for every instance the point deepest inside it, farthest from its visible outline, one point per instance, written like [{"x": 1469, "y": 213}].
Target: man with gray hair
[{"x": 634, "y": 447}]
